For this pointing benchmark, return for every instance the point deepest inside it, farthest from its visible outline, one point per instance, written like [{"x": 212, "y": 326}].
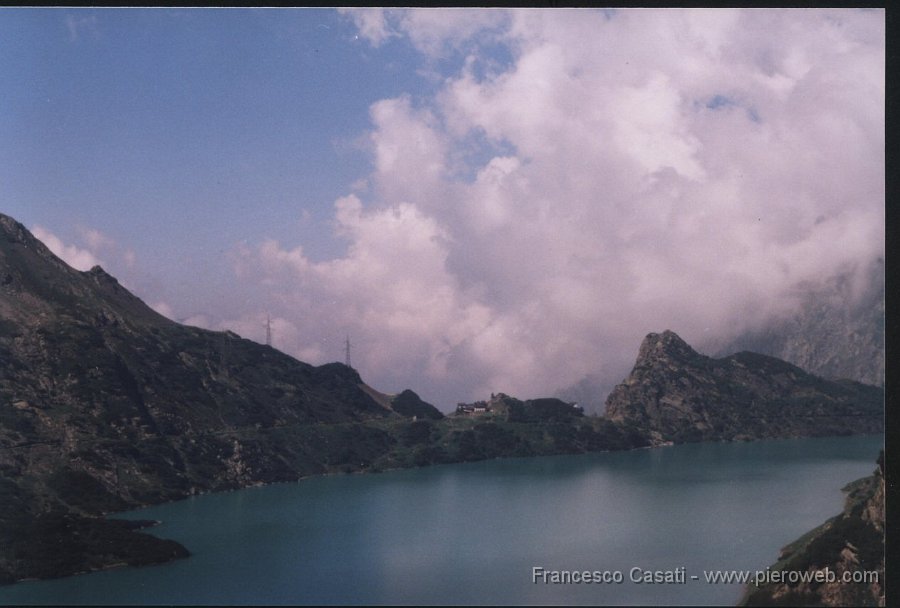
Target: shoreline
[
  {"x": 160, "y": 550},
  {"x": 858, "y": 449},
  {"x": 112, "y": 516}
]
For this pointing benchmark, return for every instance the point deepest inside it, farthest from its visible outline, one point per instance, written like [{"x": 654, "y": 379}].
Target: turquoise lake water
[{"x": 472, "y": 533}]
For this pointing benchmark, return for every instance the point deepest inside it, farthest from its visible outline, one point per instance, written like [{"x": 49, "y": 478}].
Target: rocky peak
[
  {"x": 13, "y": 230},
  {"x": 97, "y": 271},
  {"x": 681, "y": 395},
  {"x": 667, "y": 345},
  {"x": 837, "y": 332},
  {"x": 15, "y": 233},
  {"x": 103, "y": 278},
  {"x": 409, "y": 404}
]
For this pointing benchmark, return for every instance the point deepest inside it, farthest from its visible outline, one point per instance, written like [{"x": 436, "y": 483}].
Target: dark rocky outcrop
[
  {"x": 409, "y": 404},
  {"x": 679, "y": 395},
  {"x": 107, "y": 405},
  {"x": 851, "y": 542}
]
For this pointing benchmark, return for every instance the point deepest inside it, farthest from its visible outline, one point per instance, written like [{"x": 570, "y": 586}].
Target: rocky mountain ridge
[
  {"x": 837, "y": 332},
  {"x": 107, "y": 405},
  {"x": 677, "y": 394}
]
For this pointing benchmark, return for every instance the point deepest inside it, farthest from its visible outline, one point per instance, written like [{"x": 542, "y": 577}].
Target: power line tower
[
  {"x": 268, "y": 331},
  {"x": 347, "y": 352}
]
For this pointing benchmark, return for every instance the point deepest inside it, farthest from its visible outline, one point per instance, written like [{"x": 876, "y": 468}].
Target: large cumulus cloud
[{"x": 582, "y": 178}]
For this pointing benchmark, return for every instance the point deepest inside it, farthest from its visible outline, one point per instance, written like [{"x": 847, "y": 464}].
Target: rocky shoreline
[
  {"x": 96, "y": 542},
  {"x": 849, "y": 544}
]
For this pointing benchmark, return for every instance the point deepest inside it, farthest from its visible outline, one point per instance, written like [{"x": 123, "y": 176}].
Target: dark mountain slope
[
  {"x": 411, "y": 405},
  {"x": 105, "y": 405},
  {"x": 680, "y": 395}
]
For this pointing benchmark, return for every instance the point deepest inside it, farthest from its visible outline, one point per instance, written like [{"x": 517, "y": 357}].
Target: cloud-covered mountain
[
  {"x": 527, "y": 219},
  {"x": 519, "y": 208},
  {"x": 837, "y": 333}
]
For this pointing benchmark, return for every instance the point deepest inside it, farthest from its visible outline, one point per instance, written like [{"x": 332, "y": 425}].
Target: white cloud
[
  {"x": 651, "y": 129},
  {"x": 95, "y": 239},
  {"x": 371, "y": 24},
  {"x": 164, "y": 309},
  {"x": 433, "y": 31},
  {"x": 624, "y": 173},
  {"x": 409, "y": 142},
  {"x": 202, "y": 321},
  {"x": 391, "y": 291},
  {"x": 104, "y": 246},
  {"x": 77, "y": 258},
  {"x": 93, "y": 248}
]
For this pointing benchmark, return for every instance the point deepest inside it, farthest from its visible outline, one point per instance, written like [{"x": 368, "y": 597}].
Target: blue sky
[
  {"x": 484, "y": 200},
  {"x": 209, "y": 127}
]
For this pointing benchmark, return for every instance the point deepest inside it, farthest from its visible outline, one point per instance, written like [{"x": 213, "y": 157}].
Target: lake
[{"x": 473, "y": 533}]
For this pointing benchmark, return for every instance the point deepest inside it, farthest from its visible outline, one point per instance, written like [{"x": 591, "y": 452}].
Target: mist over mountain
[
  {"x": 835, "y": 330},
  {"x": 590, "y": 392},
  {"x": 520, "y": 210},
  {"x": 838, "y": 331}
]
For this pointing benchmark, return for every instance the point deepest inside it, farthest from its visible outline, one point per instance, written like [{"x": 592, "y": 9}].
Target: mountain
[
  {"x": 851, "y": 542},
  {"x": 107, "y": 405},
  {"x": 838, "y": 331},
  {"x": 409, "y": 404},
  {"x": 679, "y": 395}
]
